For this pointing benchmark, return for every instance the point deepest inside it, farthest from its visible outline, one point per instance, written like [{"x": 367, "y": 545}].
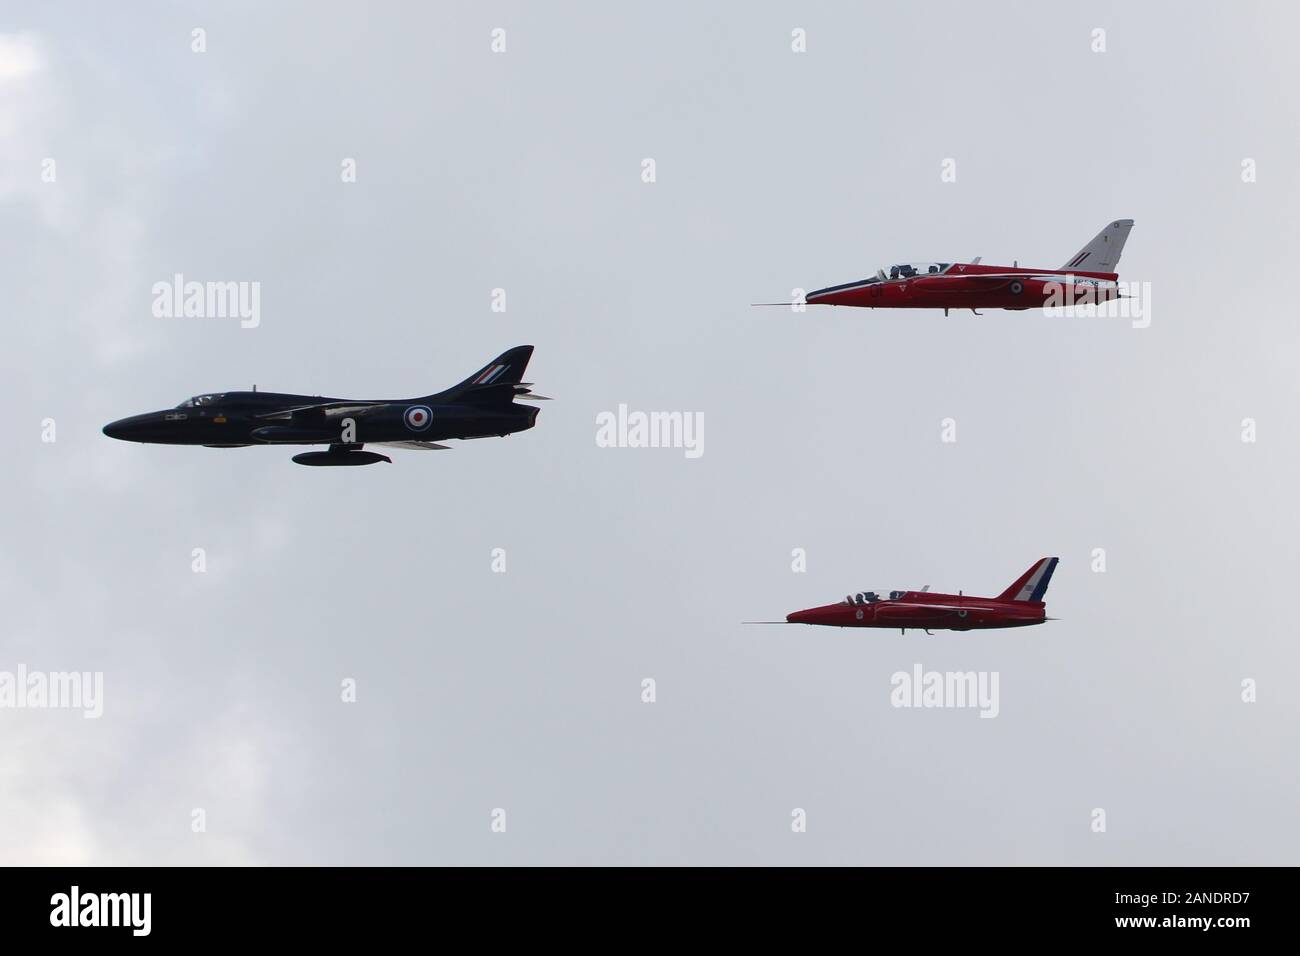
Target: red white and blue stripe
[{"x": 490, "y": 374}]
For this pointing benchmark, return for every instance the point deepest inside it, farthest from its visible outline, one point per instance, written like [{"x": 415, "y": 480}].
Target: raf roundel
[{"x": 418, "y": 418}]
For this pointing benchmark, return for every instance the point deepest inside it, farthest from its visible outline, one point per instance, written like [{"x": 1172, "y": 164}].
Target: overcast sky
[{"x": 774, "y": 170}]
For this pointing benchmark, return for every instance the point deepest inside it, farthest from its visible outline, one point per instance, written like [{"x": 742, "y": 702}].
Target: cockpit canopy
[
  {"x": 202, "y": 401},
  {"x": 906, "y": 270},
  {"x": 871, "y": 597}
]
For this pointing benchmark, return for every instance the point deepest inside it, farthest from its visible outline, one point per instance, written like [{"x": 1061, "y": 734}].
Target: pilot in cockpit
[{"x": 863, "y": 597}]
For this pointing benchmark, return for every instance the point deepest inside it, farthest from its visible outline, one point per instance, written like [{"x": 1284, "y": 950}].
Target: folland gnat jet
[
  {"x": 1019, "y": 605},
  {"x": 482, "y": 406},
  {"x": 1088, "y": 277}
]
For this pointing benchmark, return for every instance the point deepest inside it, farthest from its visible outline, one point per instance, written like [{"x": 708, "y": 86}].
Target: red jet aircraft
[
  {"x": 1018, "y": 606},
  {"x": 1089, "y": 276}
]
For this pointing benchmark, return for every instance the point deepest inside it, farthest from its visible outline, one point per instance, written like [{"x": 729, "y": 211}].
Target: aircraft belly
[
  {"x": 435, "y": 432},
  {"x": 205, "y": 433},
  {"x": 915, "y": 616}
]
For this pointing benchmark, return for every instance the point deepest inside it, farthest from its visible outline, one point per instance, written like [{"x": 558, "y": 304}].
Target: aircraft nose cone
[
  {"x": 135, "y": 428},
  {"x": 799, "y": 617}
]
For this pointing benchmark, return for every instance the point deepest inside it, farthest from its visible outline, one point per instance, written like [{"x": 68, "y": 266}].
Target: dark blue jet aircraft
[{"x": 482, "y": 406}]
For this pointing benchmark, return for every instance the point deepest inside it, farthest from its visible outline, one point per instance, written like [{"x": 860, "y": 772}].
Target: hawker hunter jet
[
  {"x": 482, "y": 406},
  {"x": 1088, "y": 277},
  {"x": 1018, "y": 606}
]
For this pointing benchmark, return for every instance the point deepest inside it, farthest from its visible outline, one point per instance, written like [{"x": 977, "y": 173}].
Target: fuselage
[
  {"x": 925, "y": 609},
  {"x": 971, "y": 286},
  {"x": 232, "y": 419}
]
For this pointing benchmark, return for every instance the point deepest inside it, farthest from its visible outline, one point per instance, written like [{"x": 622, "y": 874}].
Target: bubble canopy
[
  {"x": 202, "y": 401},
  {"x": 902, "y": 270},
  {"x": 906, "y": 270},
  {"x": 871, "y": 597}
]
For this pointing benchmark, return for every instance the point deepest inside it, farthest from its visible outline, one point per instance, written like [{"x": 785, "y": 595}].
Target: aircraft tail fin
[
  {"x": 1102, "y": 254},
  {"x": 506, "y": 369},
  {"x": 495, "y": 383},
  {"x": 1032, "y": 585}
]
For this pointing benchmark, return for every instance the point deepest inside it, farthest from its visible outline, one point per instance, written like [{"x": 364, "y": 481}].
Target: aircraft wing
[
  {"x": 933, "y": 612},
  {"x": 413, "y": 445},
  {"x": 324, "y": 409},
  {"x": 998, "y": 276}
]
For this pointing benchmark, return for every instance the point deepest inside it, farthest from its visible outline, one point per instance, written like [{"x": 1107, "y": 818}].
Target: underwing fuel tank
[{"x": 340, "y": 458}]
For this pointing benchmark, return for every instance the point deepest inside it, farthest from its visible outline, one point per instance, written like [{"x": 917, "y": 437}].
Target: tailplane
[
  {"x": 1032, "y": 585},
  {"x": 1102, "y": 254}
]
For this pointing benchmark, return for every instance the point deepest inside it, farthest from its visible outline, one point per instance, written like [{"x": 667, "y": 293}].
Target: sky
[{"x": 351, "y": 678}]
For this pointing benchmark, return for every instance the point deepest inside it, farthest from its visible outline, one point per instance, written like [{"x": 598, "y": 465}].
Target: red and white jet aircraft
[
  {"x": 1088, "y": 277},
  {"x": 1019, "y": 605}
]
